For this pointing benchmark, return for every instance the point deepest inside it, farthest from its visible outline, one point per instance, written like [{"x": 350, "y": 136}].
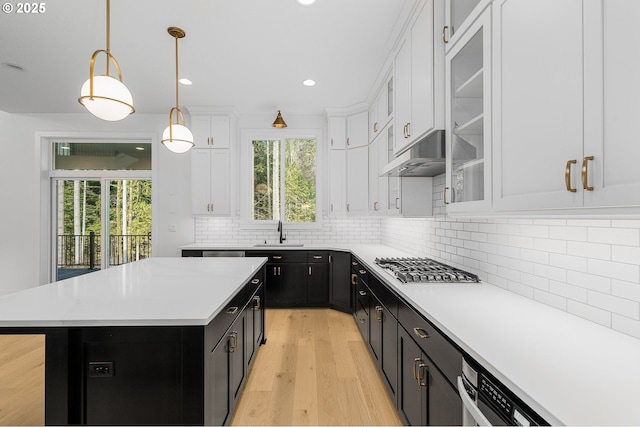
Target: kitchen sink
[{"x": 276, "y": 245}]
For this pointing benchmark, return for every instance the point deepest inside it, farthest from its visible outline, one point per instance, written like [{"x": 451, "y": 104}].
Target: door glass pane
[
  {"x": 266, "y": 180},
  {"x": 129, "y": 221},
  {"x": 97, "y": 156},
  {"x": 467, "y": 139},
  {"x": 78, "y": 249},
  {"x": 460, "y": 9},
  {"x": 300, "y": 180}
]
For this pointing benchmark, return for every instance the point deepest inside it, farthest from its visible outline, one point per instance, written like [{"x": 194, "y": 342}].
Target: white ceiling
[{"x": 248, "y": 54}]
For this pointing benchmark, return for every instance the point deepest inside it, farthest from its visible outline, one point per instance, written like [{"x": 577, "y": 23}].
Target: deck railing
[{"x": 84, "y": 251}]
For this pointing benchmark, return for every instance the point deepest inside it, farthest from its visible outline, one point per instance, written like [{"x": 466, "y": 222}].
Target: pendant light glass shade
[
  {"x": 177, "y": 137},
  {"x": 104, "y": 96},
  {"x": 111, "y": 100},
  {"x": 279, "y": 121}
]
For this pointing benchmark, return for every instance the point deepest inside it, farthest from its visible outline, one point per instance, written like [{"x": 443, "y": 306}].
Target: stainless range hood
[{"x": 425, "y": 158}]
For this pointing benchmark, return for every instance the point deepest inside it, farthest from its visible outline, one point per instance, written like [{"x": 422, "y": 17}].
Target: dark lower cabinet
[
  {"x": 225, "y": 373},
  {"x": 425, "y": 397},
  {"x": 317, "y": 285},
  {"x": 340, "y": 288},
  {"x": 383, "y": 341}
]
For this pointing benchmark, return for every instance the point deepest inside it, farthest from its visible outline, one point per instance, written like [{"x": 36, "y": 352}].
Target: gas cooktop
[{"x": 424, "y": 270}]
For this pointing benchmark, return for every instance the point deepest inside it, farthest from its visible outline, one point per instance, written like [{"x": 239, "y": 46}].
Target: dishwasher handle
[{"x": 469, "y": 406}]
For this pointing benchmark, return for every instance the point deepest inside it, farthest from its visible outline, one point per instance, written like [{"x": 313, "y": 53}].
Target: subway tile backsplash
[
  {"x": 587, "y": 267},
  {"x": 334, "y": 230}
]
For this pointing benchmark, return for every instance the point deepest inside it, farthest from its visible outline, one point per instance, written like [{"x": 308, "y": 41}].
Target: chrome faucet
[{"x": 282, "y": 238}]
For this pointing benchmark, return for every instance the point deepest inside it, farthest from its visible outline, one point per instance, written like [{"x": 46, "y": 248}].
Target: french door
[{"x": 99, "y": 222}]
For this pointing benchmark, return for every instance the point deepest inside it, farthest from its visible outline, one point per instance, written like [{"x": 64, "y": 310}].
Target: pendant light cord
[
  {"x": 108, "y": 34},
  {"x": 176, "y": 37}
]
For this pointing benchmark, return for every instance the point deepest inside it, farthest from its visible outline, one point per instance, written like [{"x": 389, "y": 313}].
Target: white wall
[
  {"x": 587, "y": 267},
  {"x": 20, "y": 192}
]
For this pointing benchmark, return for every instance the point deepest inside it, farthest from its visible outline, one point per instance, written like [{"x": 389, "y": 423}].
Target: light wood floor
[
  {"x": 314, "y": 370},
  {"x": 21, "y": 380}
]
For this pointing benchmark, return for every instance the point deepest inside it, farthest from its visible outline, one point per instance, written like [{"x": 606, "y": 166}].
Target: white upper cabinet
[
  {"x": 538, "y": 104},
  {"x": 612, "y": 90},
  {"x": 337, "y": 182},
  {"x": 468, "y": 124},
  {"x": 357, "y": 163},
  {"x": 381, "y": 109},
  {"x": 460, "y": 14},
  {"x": 561, "y": 104},
  {"x": 337, "y": 133},
  {"x": 419, "y": 78},
  {"x": 210, "y": 131},
  {"x": 212, "y": 177},
  {"x": 357, "y": 125}
]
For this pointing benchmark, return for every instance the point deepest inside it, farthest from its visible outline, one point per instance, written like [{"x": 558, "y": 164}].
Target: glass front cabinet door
[{"x": 468, "y": 121}]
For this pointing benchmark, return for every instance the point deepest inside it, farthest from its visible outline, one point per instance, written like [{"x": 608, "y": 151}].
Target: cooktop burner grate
[{"x": 425, "y": 270}]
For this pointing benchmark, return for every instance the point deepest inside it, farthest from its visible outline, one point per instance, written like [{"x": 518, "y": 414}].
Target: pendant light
[
  {"x": 104, "y": 96},
  {"x": 177, "y": 137},
  {"x": 279, "y": 121}
]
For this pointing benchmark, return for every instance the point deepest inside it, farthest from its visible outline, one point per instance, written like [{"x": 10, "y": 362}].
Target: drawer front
[
  {"x": 219, "y": 325},
  {"x": 443, "y": 353},
  {"x": 276, "y": 257},
  {"x": 359, "y": 269},
  {"x": 362, "y": 295},
  {"x": 384, "y": 295},
  {"x": 318, "y": 256}
]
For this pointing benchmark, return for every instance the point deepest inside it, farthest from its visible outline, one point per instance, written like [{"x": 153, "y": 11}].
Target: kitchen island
[{"x": 157, "y": 341}]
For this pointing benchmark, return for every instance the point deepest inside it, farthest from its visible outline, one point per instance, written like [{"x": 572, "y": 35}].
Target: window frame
[{"x": 246, "y": 176}]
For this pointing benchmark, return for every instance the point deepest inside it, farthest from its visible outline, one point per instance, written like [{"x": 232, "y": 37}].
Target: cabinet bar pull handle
[
  {"x": 397, "y": 202},
  {"x": 415, "y": 371},
  {"x": 444, "y": 34},
  {"x": 232, "y": 310},
  {"x": 362, "y": 271},
  {"x": 348, "y": 207},
  {"x": 444, "y": 195},
  {"x": 404, "y": 131},
  {"x": 420, "y": 333},
  {"x": 375, "y": 206},
  {"x": 375, "y": 127},
  {"x": 233, "y": 341},
  {"x": 331, "y": 207},
  {"x": 309, "y": 270},
  {"x": 379, "y": 309},
  {"x": 354, "y": 263},
  {"x": 347, "y": 141},
  {"x": 585, "y": 173},
  {"x": 362, "y": 293},
  {"x": 274, "y": 271},
  {"x": 567, "y": 175},
  {"x": 279, "y": 271},
  {"x": 277, "y": 257},
  {"x": 317, "y": 257},
  {"x": 354, "y": 279},
  {"x": 330, "y": 259},
  {"x": 255, "y": 281},
  {"x": 426, "y": 374},
  {"x": 408, "y": 128},
  {"x": 331, "y": 141},
  {"x": 256, "y": 303}
]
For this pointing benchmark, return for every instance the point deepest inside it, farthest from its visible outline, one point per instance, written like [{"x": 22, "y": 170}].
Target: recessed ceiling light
[
  {"x": 309, "y": 82},
  {"x": 305, "y": 2},
  {"x": 185, "y": 81},
  {"x": 13, "y": 66}
]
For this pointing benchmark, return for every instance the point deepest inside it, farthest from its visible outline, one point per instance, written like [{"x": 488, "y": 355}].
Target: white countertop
[
  {"x": 569, "y": 370},
  {"x": 150, "y": 292}
]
